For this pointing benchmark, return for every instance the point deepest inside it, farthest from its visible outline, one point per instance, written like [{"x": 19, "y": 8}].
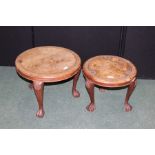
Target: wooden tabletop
[
  {"x": 48, "y": 63},
  {"x": 110, "y": 71}
]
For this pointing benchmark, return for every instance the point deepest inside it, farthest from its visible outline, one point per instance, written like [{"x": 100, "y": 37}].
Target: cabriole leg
[
  {"x": 130, "y": 90},
  {"x": 75, "y": 92},
  {"x": 38, "y": 90},
  {"x": 90, "y": 89}
]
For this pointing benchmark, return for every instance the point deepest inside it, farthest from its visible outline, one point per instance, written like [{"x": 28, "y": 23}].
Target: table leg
[
  {"x": 90, "y": 89},
  {"x": 38, "y": 90},
  {"x": 75, "y": 92},
  {"x": 130, "y": 90}
]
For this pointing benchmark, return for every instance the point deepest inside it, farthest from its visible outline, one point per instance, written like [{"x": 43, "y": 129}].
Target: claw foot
[
  {"x": 76, "y": 93},
  {"x": 91, "y": 107},
  {"x": 128, "y": 107},
  {"x": 40, "y": 113}
]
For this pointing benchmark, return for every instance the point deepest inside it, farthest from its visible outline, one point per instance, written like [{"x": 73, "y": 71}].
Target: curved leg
[
  {"x": 131, "y": 88},
  {"x": 90, "y": 89},
  {"x": 75, "y": 92},
  {"x": 38, "y": 90}
]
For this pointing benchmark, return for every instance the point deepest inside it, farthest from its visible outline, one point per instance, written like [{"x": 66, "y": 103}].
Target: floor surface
[{"x": 18, "y": 106}]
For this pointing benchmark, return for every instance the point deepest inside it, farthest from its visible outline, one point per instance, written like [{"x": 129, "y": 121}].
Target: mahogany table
[
  {"x": 48, "y": 64},
  {"x": 109, "y": 71}
]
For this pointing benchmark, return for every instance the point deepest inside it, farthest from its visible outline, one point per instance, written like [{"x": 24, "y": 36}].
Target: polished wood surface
[
  {"x": 48, "y": 63},
  {"x": 110, "y": 71}
]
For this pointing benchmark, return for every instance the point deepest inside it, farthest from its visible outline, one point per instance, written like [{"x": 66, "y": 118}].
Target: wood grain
[
  {"x": 48, "y": 63},
  {"x": 110, "y": 71}
]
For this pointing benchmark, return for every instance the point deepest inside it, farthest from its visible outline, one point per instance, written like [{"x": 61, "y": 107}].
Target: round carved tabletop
[
  {"x": 109, "y": 71},
  {"x": 48, "y": 63}
]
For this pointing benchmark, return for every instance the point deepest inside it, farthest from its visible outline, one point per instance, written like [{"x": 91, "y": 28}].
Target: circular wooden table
[
  {"x": 48, "y": 64},
  {"x": 109, "y": 71}
]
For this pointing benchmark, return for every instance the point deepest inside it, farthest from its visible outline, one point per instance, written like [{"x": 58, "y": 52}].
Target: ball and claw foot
[
  {"x": 76, "y": 93},
  {"x": 91, "y": 107},
  {"x": 128, "y": 107},
  {"x": 40, "y": 113}
]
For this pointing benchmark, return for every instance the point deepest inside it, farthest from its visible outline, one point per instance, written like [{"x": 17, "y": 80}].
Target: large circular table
[
  {"x": 109, "y": 71},
  {"x": 48, "y": 64}
]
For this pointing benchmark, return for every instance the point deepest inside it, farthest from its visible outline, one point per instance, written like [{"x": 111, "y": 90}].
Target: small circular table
[
  {"x": 109, "y": 71},
  {"x": 48, "y": 64}
]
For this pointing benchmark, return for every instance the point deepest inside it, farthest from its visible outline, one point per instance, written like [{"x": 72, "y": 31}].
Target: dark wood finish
[{"x": 109, "y": 71}]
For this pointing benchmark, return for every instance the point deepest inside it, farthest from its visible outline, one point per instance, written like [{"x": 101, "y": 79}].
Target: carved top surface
[
  {"x": 109, "y": 69},
  {"x": 48, "y": 62}
]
